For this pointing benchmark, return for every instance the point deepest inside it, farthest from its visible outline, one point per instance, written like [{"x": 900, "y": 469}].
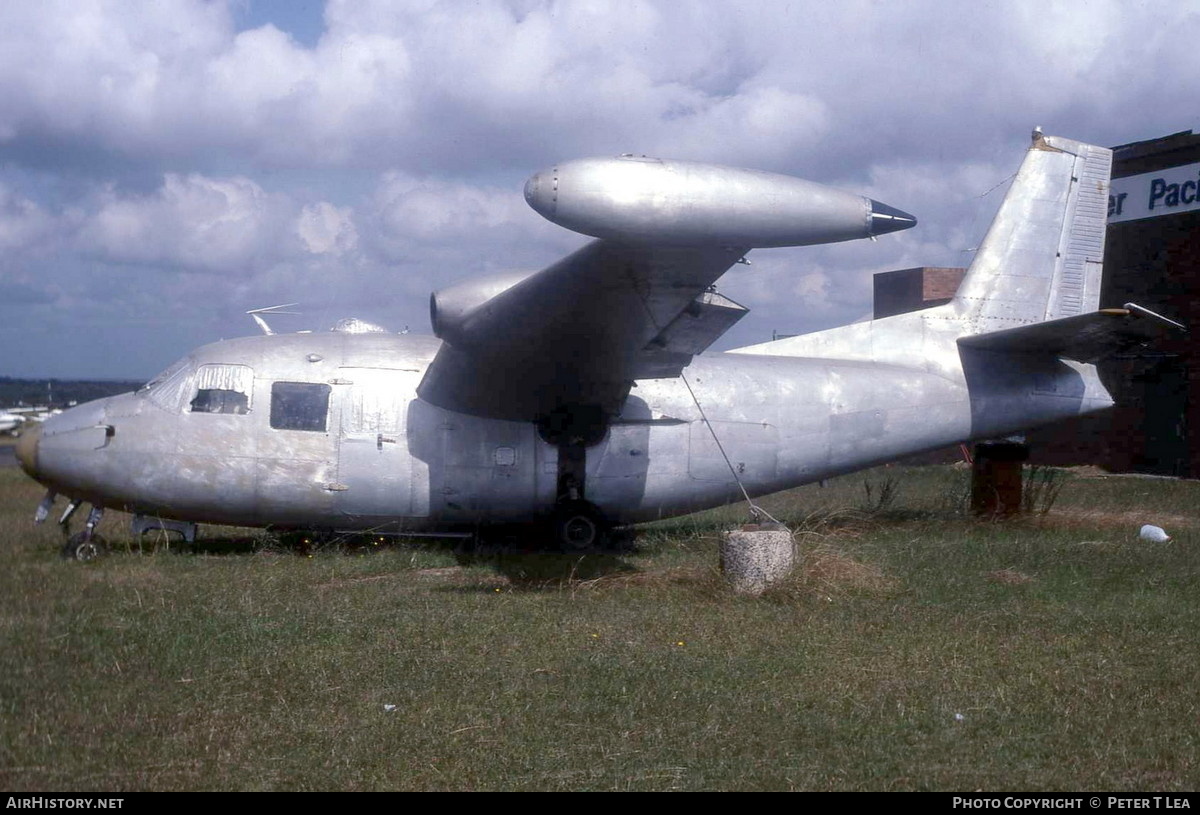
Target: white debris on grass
[{"x": 1150, "y": 532}]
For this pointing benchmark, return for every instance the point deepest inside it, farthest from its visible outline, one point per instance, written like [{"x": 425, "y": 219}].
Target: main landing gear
[
  {"x": 576, "y": 524},
  {"x": 578, "y": 527}
]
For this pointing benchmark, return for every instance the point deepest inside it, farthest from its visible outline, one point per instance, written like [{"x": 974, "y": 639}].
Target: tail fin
[{"x": 1042, "y": 257}]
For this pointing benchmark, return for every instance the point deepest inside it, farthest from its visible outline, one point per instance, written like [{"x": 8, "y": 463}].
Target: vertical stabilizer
[{"x": 1042, "y": 257}]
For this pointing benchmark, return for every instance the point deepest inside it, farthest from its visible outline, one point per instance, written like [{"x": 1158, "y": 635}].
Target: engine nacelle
[
  {"x": 449, "y": 308},
  {"x": 648, "y": 200}
]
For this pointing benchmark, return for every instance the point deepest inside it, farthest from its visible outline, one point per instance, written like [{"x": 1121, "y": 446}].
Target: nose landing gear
[
  {"x": 86, "y": 545},
  {"x": 82, "y": 546}
]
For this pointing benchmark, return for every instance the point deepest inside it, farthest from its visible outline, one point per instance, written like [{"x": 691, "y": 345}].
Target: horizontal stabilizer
[{"x": 1083, "y": 338}]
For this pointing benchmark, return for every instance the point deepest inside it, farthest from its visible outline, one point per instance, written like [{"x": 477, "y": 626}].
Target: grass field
[{"x": 916, "y": 649}]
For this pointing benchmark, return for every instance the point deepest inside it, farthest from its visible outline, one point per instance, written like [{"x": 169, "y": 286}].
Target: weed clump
[{"x": 1041, "y": 487}]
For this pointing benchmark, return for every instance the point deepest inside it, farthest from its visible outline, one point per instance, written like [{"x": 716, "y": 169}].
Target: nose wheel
[
  {"x": 84, "y": 547},
  {"x": 88, "y": 544}
]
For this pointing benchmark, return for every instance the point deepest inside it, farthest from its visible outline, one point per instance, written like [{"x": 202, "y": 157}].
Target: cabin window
[
  {"x": 223, "y": 389},
  {"x": 299, "y": 406}
]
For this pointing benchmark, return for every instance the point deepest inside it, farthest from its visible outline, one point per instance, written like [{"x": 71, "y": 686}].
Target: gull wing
[{"x": 577, "y": 333}]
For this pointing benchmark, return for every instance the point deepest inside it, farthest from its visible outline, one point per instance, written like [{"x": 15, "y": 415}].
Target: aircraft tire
[
  {"x": 579, "y": 527},
  {"x": 83, "y": 548}
]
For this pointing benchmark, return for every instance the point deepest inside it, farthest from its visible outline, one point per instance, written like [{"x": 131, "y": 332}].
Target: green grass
[{"x": 916, "y": 649}]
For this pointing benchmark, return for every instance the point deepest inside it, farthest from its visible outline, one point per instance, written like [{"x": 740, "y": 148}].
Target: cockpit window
[
  {"x": 299, "y": 406},
  {"x": 171, "y": 389},
  {"x": 167, "y": 374},
  {"x": 223, "y": 389}
]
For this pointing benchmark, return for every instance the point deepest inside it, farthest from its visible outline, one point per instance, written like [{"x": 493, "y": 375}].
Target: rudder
[{"x": 1042, "y": 257}]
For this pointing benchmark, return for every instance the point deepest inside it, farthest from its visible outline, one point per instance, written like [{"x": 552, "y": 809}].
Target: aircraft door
[{"x": 377, "y": 475}]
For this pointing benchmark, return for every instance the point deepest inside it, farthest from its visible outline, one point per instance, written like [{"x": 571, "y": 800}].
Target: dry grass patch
[
  {"x": 1008, "y": 577},
  {"x": 828, "y": 570},
  {"x": 1126, "y": 523},
  {"x": 341, "y": 583},
  {"x": 675, "y": 575}
]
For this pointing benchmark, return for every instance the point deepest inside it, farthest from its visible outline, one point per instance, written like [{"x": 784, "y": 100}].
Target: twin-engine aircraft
[{"x": 578, "y": 397}]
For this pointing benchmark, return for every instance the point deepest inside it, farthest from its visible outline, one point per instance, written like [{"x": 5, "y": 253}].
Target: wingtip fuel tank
[{"x": 639, "y": 199}]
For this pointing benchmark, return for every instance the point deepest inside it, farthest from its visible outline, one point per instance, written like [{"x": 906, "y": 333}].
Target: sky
[{"x": 167, "y": 166}]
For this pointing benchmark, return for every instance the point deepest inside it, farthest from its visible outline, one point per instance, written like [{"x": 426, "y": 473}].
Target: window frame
[{"x": 289, "y": 411}]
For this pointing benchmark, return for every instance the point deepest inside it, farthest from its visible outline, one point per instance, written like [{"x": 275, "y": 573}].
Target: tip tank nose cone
[
  {"x": 541, "y": 193},
  {"x": 27, "y": 448},
  {"x": 885, "y": 219}
]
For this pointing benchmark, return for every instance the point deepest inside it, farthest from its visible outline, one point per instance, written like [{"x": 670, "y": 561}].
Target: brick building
[
  {"x": 910, "y": 289},
  {"x": 1152, "y": 258}
]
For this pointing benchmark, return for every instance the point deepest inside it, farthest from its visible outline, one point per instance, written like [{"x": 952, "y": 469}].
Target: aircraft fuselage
[{"x": 326, "y": 431}]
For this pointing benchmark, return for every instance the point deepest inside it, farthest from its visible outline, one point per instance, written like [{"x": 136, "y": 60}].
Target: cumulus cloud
[
  {"x": 23, "y": 223},
  {"x": 326, "y": 229},
  {"x": 411, "y": 209},
  {"x": 405, "y": 86},
  {"x": 226, "y": 226},
  {"x": 155, "y": 153}
]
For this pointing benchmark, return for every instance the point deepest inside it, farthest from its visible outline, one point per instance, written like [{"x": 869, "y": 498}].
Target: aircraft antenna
[{"x": 266, "y": 329}]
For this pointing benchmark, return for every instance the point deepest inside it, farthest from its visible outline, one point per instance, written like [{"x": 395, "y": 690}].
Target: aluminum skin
[
  {"x": 684, "y": 203},
  {"x": 450, "y": 433}
]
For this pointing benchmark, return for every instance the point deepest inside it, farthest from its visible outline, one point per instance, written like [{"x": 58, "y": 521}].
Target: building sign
[{"x": 1164, "y": 192}]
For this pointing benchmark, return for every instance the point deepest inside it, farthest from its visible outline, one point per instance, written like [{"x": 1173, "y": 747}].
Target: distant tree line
[{"x": 59, "y": 392}]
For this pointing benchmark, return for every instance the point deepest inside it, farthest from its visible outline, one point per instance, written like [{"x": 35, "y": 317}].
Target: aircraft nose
[
  {"x": 27, "y": 444},
  {"x": 541, "y": 193},
  {"x": 885, "y": 219}
]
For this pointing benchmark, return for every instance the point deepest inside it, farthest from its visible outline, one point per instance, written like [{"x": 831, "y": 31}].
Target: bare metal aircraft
[
  {"x": 578, "y": 396},
  {"x": 10, "y": 421}
]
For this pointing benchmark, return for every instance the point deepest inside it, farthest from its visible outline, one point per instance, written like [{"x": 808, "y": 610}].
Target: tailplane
[{"x": 1087, "y": 337}]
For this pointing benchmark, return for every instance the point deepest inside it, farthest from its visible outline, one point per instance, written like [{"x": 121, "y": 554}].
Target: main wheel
[
  {"x": 84, "y": 547},
  {"x": 579, "y": 527}
]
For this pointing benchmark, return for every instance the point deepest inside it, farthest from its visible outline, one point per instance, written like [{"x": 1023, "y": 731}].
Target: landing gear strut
[
  {"x": 86, "y": 545},
  {"x": 576, "y": 525}
]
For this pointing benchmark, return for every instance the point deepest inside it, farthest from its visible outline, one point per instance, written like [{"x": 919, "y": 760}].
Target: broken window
[
  {"x": 223, "y": 389},
  {"x": 299, "y": 406}
]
